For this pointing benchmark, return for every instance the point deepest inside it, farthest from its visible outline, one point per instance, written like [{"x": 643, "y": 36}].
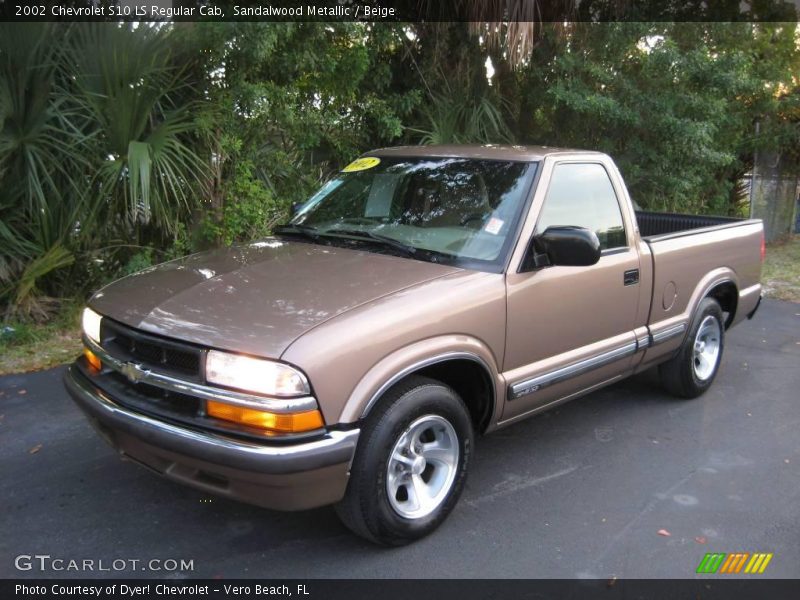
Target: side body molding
[{"x": 534, "y": 384}]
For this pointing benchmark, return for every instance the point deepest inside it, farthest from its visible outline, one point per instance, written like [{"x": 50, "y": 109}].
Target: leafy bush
[
  {"x": 138, "y": 262},
  {"x": 250, "y": 210}
]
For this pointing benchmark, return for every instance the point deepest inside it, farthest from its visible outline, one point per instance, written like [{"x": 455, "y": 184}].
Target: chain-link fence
[{"x": 774, "y": 197}]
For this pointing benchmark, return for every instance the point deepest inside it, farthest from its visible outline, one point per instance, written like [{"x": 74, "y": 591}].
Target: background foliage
[{"x": 122, "y": 146}]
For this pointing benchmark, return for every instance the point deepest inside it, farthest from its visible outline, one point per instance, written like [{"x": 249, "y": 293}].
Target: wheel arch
[
  {"x": 721, "y": 284},
  {"x": 726, "y": 293},
  {"x": 469, "y": 369},
  {"x": 470, "y": 377}
]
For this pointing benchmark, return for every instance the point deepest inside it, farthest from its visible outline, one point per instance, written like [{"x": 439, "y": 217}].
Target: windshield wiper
[
  {"x": 370, "y": 236},
  {"x": 384, "y": 240},
  {"x": 303, "y": 230}
]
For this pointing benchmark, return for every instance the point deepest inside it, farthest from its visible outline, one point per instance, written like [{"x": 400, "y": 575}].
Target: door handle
[{"x": 631, "y": 277}]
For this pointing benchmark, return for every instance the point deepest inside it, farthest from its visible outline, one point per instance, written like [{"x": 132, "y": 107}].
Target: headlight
[
  {"x": 91, "y": 324},
  {"x": 254, "y": 375}
]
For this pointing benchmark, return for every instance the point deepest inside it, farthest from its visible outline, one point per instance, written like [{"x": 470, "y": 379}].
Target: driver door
[{"x": 570, "y": 329}]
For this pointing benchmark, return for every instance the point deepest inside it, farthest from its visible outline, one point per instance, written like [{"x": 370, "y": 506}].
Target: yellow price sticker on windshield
[{"x": 362, "y": 164}]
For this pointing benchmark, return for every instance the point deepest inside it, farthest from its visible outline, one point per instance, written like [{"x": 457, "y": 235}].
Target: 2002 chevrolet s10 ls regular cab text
[{"x": 424, "y": 295}]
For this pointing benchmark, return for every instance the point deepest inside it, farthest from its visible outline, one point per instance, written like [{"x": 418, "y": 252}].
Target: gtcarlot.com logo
[
  {"x": 737, "y": 562},
  {"x": 46, "y": 562}
]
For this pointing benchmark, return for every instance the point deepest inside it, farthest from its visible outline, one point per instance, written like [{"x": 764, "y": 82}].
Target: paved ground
[{"x": 579, "y": 492}]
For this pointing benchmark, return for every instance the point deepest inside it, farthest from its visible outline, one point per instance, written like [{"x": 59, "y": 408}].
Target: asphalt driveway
[{"x": 582, "y": 491}]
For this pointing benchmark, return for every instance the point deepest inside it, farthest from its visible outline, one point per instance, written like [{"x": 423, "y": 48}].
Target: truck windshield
[{"x": 454, "y": 210}]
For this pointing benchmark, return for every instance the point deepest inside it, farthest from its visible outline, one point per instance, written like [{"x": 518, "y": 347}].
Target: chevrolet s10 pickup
[{"x": 423, "y": 296}]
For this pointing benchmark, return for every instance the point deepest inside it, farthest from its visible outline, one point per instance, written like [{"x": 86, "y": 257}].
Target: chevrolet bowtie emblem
[{"x": 133, "y": 372}]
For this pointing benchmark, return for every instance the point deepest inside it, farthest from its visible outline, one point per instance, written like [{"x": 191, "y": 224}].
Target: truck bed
[
  {"x": 689, "y": 252},
  {"x": 653, "y": 224}
]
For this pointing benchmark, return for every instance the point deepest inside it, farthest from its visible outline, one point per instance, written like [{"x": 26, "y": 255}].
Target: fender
[
  {"x": 747, "y": 298},
  {"x": 409, "y": 359},
  {"x": 708, "y": 282}
]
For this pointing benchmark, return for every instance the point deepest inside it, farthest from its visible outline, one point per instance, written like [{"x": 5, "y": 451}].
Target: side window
[{"x": 582, "y": 195}]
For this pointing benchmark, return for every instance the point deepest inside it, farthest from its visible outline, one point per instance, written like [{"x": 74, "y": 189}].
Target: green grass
[
  {"x": 32, "y": 347},
  {"x": 781, "y": 274}
]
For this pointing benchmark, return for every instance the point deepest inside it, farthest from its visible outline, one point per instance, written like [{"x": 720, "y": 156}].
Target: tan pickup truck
[{"x": 423, "y": 296}]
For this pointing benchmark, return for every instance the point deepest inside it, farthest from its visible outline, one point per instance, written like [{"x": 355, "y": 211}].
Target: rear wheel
[
  {"x": 411, "y": 463},
  {"x": 692, "y": 371}
]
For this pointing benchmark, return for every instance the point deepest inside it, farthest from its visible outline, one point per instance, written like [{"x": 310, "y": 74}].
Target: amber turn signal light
[
  {"x": 283, "y": 423},
  {"x": 92, "y": 359}
]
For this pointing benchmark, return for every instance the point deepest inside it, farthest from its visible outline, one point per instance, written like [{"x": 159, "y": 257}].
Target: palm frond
[
  {"x": 520, "y": 29},
  {"x": 127, "y": 82},
  {"x": 461, "y": 114},
  {"x": 28, "y": 302}
]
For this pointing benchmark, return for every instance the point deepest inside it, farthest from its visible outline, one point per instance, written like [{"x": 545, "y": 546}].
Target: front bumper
[{"x": 283, "y": 477}]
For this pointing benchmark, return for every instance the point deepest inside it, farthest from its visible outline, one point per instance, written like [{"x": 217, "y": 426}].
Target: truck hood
[{"x": 257, "y": 298}]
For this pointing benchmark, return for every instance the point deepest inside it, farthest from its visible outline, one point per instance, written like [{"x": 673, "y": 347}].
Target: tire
[
  {"x": 693, "y": 369},
  {"x": 382, "y": 503}
]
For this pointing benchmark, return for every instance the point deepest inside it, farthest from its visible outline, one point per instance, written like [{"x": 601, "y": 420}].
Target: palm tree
[
  {"x": 94, "y": 130},
  {"x": 42, "y": 156},
  {"x": 512, "y": 25},
  {"x": 129, "y": 87},
  {"x": 462, "y": 114}
]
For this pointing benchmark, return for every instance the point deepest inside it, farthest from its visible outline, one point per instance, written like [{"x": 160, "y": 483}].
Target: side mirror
[
  {"x": 566, "y": 247},
  {"x": 296, "y": 206}
]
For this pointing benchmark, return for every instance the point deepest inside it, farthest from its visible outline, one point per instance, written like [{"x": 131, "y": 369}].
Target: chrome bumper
[{"x": 336, "y": 448}]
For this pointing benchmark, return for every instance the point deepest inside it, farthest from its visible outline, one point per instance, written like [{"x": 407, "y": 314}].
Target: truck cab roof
[{"x": 479, "y": 151}]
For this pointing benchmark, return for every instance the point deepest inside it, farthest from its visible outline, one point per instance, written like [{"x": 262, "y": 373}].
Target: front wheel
[
  {"x": 691, "y": 372},
  {"x": 411, "y": 463}
]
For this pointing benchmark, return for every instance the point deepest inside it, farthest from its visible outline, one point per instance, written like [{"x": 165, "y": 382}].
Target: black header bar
[
  {"x": 731, "y": 588},
  {"x": 399, "y": 10}
]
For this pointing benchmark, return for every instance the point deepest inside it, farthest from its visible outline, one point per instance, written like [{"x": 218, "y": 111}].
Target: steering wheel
[{"x": 472, "y": 217}]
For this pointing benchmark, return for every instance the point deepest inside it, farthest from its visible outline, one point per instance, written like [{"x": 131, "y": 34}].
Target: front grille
[
  {"x": 159, "y": 354},
  {"x": 154, "y": 400},
  {"x": 168, "y": 357}
]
